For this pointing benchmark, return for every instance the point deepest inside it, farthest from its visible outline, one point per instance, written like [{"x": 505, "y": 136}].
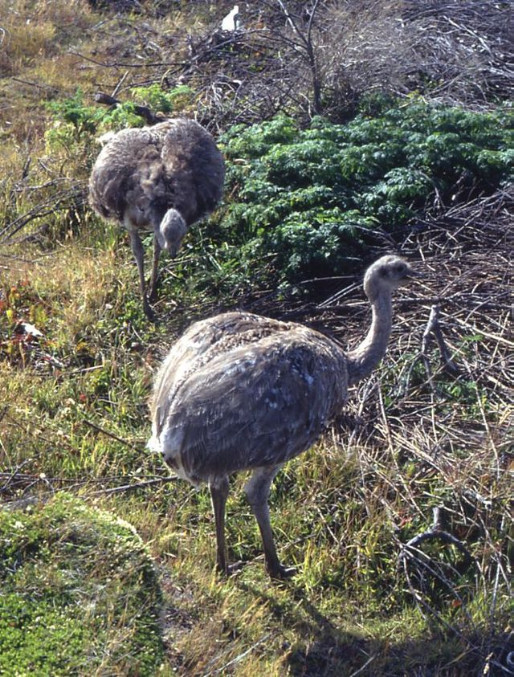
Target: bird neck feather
[{"x": 367, "y": 355}]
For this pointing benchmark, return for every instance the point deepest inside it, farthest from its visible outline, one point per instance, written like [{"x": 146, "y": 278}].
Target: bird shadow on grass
[{"x": 323, "y": 649}]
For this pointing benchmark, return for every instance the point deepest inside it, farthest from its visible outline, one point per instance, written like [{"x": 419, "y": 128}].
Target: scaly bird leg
[
  {"x": 154, "y": 278},
  {"x": 138, "y": 251},
  {"x": 257, "y": 490},
  {"x": 219, "y": 493}
]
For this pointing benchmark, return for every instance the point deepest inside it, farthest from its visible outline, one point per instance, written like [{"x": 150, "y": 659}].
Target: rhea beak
[
  {"x": 408, "y": 275},
  {"x": 172, "y": 248},
  {"x": 411, "y": 274}
]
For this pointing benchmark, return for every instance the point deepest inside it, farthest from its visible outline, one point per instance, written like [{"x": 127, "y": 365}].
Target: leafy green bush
[
  {"x": 164, "y": 101},
  {"x": 76, "y": 122},
  {"x": 74, "y": 119},
  {"x": 314, "y": 198}
]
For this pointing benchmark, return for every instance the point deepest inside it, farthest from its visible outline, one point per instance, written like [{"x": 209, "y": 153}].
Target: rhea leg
[
  {"x": 138, "y": 251},
  {"x": 219, "y": 493},
  {"x": 155, "y": 262},
  {"x": 257, "y": 490}
]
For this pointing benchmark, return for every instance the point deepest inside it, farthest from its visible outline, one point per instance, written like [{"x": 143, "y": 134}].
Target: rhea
[
  {"x": 159, "y": 179},
  {"x": 243, "y": 392}
]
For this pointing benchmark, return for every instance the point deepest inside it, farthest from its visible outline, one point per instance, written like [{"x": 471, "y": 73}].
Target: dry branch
[
  {"x": 60, "y": 200},
  {"x": 433, "y": 328},
  {"x": 109, "y": 434},
  {"x": 436, "y": 532}
]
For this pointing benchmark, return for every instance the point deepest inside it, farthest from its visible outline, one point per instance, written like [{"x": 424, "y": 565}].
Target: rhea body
[
  {"x": 243, "y": 392},
  {"x": 159, "y": 179}
]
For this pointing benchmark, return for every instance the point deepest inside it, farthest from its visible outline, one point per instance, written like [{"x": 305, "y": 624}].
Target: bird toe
[{"x": 283, "y": 573}]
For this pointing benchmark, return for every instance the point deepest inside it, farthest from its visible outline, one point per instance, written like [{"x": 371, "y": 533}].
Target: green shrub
[
  {"x": 313, "y": 199},
  {"x": 75, "y": 120},
  {"x": 164, "y": 101}
]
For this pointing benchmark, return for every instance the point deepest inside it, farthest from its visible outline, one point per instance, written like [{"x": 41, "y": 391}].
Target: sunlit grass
[
  {"x": 80, "y": 592},
  {"x": 74, "y": 417},
  {"x": 340, "y": 512}
]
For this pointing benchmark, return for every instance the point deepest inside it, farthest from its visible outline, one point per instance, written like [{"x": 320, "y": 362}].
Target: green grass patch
[{"x": 79, "y": 593}]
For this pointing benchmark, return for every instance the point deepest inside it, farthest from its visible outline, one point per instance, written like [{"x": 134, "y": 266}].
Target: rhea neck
[{"x": 362, "y": 360}]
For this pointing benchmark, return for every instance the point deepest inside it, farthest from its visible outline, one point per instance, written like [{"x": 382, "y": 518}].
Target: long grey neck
[{"x": 363, "y": 359}]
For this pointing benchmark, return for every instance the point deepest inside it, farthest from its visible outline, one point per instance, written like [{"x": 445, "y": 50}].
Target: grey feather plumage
[
  {"x": 143, "y": 175},
  {"x": 173, "y": 164},
  {"x": 244, "y": 392},
  {"x": 205, "y": 387}
]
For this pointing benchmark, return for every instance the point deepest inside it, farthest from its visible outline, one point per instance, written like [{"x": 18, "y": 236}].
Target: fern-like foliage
[{"x": 313, "y": 199}]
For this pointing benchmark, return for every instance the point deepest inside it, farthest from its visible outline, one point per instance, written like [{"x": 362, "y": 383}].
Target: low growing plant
[
  {"x": 79, "y": 593},
  {"x": 317, "y": 199}
]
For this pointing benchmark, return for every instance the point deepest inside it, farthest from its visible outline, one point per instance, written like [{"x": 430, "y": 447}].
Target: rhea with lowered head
[
  {"x": 243, "y": 392},
  {"x": 160, "y": 179}
]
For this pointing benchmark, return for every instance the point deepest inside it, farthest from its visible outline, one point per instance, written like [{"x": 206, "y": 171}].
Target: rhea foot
[
  {"x": 229, "y": 569},
  {"x": 149, "y": 311},
  {"x": 282, "y": 572}
]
